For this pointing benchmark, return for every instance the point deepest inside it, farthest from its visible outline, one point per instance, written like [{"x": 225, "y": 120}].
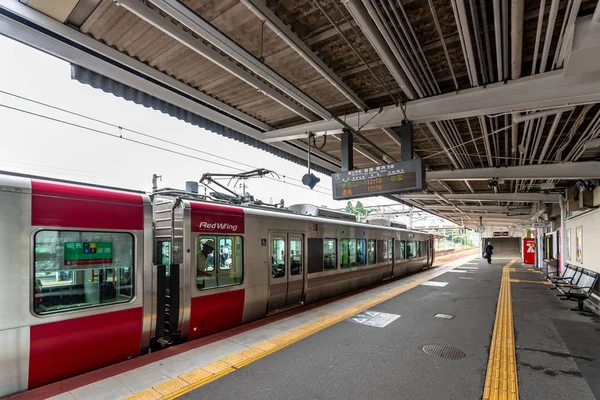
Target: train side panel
[
  {"x": 15, "y": 225},
  {"x": 60, "y": 327}
]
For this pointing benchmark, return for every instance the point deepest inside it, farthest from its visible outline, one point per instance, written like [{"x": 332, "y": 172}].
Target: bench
[
  {"x": 569, "y": 275},
  {"x": 582, "y": 290}
]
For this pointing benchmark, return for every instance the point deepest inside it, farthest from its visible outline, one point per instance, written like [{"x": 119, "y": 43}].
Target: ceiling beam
[
  {"x": 512, "y": 197},
  {"x": 185, "y": 37},
  {"x": 547, "y": 90},
  {"x": 499, "y": 209},
  {"x": 118, "y": 66},
  {"x": 568, "y": 170},
  {"x": 186, "y": 17},
  {"x": 260, "y": 9}
]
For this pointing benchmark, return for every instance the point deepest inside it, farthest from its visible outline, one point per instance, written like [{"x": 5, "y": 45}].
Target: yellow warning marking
[
  {"x": 211, "y": 372},
  {"x": 525, "y": 270},
  {"x": 148, "y": 394},
  {"x": 501, "y": 376},
  {"x": 525, "y": 281},
  {"x": 170, "y": 386},
  {"x": 216, "y": 367},
  {"x": 195, "y": 376}
]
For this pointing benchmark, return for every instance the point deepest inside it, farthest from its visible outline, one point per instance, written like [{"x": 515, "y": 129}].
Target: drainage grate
[{"x": 444, "y": 351}]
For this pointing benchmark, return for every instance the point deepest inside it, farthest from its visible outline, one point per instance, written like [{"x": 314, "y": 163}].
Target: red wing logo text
[{"x": 222, "y": 226}]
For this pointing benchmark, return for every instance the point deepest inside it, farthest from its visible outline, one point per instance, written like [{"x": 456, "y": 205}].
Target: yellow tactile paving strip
[
  {"x": 501, "y": 377},
  {"x": 187, "y": 382}
]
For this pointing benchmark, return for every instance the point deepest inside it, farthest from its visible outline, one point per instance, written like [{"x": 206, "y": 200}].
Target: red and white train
[{"x": 92, "y": 276}]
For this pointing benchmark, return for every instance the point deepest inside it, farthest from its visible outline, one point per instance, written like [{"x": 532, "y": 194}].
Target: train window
[
  {"x": 372, "y": 251},
  {"x": 219, "y": 261},
  {"x": 399, "y": 250},
  {"x": 78, "y": 269},
  {"x": 411, "y": 249},
  {"x": 361, "y": 254},
  {"x": 278, "y": 257},
  {"x": 390, "y": 249},
  {"x": 295, "y": 256},
  {"x": 329, "y": 253},
  {"x": 225, "y": 246},
  {"x": 353, "y": 253}
]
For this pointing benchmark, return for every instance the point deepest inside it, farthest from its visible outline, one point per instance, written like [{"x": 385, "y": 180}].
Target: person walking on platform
[{"x": 489, "y": 250}]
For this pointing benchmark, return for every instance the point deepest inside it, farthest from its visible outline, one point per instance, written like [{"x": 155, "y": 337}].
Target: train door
[
  {"x": 167, "y": 285},
  {"x": 286, "y": 276},
  {"x": 389, "y": 257},
  {"x": 431, "y": 252}
]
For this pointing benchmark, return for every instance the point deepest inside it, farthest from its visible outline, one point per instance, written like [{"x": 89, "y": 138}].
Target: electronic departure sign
[{"x": 399, "y": 177}]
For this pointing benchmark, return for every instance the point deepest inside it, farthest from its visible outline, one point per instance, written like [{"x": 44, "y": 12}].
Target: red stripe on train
[
  {"x": 214, "y": 313},
  {"x": 217, "y": 218},
  {"x": 54, "y": 204},
  {"x": 59, "y": 350}
]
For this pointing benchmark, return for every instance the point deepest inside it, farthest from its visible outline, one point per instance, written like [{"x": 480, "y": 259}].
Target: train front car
[
  {"x": 71, "y": 293},
  {"x": 202, "y": 268}
]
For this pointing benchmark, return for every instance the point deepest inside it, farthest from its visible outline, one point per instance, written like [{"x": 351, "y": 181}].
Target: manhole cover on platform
[{"x": 444, "y": 351}]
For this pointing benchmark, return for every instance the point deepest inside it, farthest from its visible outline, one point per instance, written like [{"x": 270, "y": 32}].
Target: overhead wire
[
  {"x": 122, "y": 128},
  {"x": 115, "y": 136}
]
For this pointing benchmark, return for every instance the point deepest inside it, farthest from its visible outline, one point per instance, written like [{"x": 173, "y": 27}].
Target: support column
[
  {"x": 406, "y": 137},
  {"x": 563, "y": 239},
  {"x": 347, "y": 150}
]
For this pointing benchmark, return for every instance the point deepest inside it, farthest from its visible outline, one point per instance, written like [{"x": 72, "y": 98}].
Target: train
[{"x": 94, "y": 275}]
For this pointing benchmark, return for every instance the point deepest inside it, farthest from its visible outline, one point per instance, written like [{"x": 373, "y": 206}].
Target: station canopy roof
[{"x": 494, "y": 89}]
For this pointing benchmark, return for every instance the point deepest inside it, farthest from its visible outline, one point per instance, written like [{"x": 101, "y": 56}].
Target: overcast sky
[{"x": 39, "y": 146}]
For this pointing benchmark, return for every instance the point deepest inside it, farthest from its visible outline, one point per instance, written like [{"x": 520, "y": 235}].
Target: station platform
[{"x": 462, "y": 330}]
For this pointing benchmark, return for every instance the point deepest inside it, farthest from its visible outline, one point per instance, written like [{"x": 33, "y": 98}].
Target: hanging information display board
[{"x": 399, "y": 177}]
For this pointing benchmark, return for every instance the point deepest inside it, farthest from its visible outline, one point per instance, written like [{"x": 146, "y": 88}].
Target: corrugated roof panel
[{"x": 120, "y": 90}]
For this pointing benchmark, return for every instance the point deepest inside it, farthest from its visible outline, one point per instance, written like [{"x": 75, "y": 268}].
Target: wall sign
[
  {"x": 501, "y": 234},
  {"x": 579, "y": 244}
]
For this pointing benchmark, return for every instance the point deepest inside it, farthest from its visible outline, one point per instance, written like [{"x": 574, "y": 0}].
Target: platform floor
[{"x": 370, "y": 345}]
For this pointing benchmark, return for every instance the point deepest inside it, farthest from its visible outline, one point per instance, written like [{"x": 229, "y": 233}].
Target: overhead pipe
[
  {"x": 538, "y": 137},
  {"x": 486, "y": 141},
  {"x": 550, "y": 137},
  {"x": 561, "y": 35},
  {"x": 540, "y": 114},
  {"x": 486, "y": 35},
  {"x": 538, "y": 36},
  {"x": 419, "y": 47},
  {"x": 478, "y": 41},
  {"x": 474, "y": 142},
  {"x": 260, "y": 9},
  {"x": 374, "y": 13},
  {"x": 368, "y": 27},
  {"x": 468, "y": 44},
  {"x": 392, "y": 14},
  {"x": 514, "y": 140},
  {"x": 505, "y": 41},
  {"x": 516, "y": 36},
  {"x": 462, "y": 41},
  {"x": 403, "y": 48},
  {"x": 498, "y": 35},
  {"x": 567, "y": 41},
  {"x": 442, "y": 41},
  {"x": 549, "y": 32}
]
